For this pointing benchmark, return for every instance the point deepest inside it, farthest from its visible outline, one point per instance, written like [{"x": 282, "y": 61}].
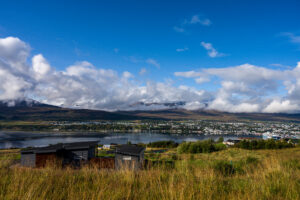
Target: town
[{"x": 181, "y": 127}]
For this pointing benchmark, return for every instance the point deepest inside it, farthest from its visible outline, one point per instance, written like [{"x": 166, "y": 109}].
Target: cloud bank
[
  {"x": 243, "y": 88},
  {"x": 250, "y": 88},
  {"x": 81, "y": 85}
]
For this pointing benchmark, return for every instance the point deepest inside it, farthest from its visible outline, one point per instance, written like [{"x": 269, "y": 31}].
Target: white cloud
[
  {"x": 81, "y": 85},
  {"x": 134, "y": 59},
  {"x": 200, "y": 77},
  {"x": 249, "y": 74},
  {"x": 182, "y": 49},
  {"x": 202, "y": 80},
  {"x": 211, "y": 51},
  {"x": 40, "y": 66},
  {"x": 194, "y": 105},
  {"x": 278, "y": 106},
  {"x": 12, "y": 85},
  {"x": 292, "y": 37},
  {"x": 197, "y": 20},
  {"x": 153, "y": 62},
  {"x": 13, "y": 50},
  {"x": 15, "y": 80},
  {"x": 188, "y": 74},
  {"x": 280, "y": 65},
  {"x": 178, "y": 29},
  {"x": 250, "y": 88},
  {"x": 127, "y": 75},
  {"x": 143, "y": 71},
  {"x": 243, "y": 88}
]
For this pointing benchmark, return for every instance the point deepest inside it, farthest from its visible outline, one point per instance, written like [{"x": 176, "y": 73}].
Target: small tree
[{"x": 220, "y": 140}]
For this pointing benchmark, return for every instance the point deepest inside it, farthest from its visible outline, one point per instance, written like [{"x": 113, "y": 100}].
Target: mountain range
[{"x": 30, "y": 110}]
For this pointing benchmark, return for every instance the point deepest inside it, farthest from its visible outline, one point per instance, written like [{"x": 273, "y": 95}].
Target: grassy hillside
[{"x": 260, "y": 174}]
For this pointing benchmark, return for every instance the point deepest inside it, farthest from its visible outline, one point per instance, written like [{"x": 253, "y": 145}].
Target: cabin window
[{"x": 126, "y": 158}]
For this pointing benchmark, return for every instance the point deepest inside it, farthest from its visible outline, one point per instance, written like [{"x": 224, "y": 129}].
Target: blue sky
[
  {"x": 163, "y": 37},
  {"x": 248, "y": 31}
]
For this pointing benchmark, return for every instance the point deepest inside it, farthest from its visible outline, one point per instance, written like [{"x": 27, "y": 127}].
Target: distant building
[
  {"x": 268, "y": 135},
  {"x": 129, "y": 157},
  {"x": 66, "y": 153},
  {"x": 231, "y": 142},
  {"x": 106, "y": 146}
]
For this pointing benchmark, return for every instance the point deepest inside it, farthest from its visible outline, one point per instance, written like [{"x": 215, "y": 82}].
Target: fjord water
[{"x": 39, "y": 139}]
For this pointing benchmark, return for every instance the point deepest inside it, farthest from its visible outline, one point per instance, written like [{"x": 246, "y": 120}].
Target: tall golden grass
[{"x": 263, "y": 174}]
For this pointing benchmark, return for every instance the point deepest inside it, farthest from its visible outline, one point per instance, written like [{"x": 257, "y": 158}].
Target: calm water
[{"x": 28, "y": 139}]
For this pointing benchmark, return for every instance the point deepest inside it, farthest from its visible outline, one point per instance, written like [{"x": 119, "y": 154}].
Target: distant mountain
[
  {"x": 30, "y": 110},
  {"x": 161, "y": 106},
  {"x": 182, "y": 114},
  {"x": 156, "y": 105}
]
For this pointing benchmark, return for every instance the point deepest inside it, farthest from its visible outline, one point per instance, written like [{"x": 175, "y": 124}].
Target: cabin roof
[
  {"x": 80, "y": 145},
  {"x": 232, "y": 140},
  {"x": 129, "y": 149},
  {"x": 61, "y": 146}
]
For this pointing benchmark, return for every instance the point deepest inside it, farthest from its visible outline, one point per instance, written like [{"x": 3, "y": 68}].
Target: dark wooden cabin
[
  {"x": 65, "y": 153},
  {"x": 129, "y": 157}
]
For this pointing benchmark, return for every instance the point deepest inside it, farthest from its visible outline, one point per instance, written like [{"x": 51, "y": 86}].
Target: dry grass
[{"x": 265, "y": 174}]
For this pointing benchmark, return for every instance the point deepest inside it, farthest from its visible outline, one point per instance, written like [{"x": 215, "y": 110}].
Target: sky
[{"x": 234, "y": 56}]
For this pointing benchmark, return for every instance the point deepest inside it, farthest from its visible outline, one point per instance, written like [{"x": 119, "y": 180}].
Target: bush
[
  {"x": 220, "y": 146},
  {"x": 192, "y": 157},
  {"x": 224, "y": 167},
  {"x": 205, "y": 146},
  {"x": 263, "y": 144},
  {"x": 174, "y": 157},
  {"x": 160, "y": 164},
  {"x": 163, "y": 144},
  {"x": 251, "y": 160},
  {"x": 220, "y": 139}
]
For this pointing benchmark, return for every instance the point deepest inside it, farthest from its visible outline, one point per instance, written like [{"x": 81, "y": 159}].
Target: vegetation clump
[
  {"x": 163, "y": 144},
  {"x": 263, "y": 144},
  {"x": 225, "y": 168},
  {"x": 205, "y": 146},
  {"x": 233, "y": 173}
]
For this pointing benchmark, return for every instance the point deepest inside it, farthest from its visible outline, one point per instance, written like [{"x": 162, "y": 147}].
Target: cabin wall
[
  {"x": 28, "y": 159},
  {"x": 127, "y": 162},
  {"x": 91, "y": 153},
  {"x": 82, "y": 154},
  {"x": 106, "y": 163},
  {"x": 44, "y": 159}
]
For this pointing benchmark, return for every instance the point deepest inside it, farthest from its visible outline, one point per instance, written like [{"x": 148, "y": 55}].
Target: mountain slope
[
  {"x": 181, "y": 114},
  {"x": 35, "y": 111}
]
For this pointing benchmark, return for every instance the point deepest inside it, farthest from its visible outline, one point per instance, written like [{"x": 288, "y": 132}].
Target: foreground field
[{"x": 228, "y": 174}]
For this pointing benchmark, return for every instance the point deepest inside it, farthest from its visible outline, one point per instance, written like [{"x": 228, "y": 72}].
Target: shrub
[
  {"x": 159, "y": 164},
  {"x": 220, "y": 146},
  {"x": 263, "y": 144},
  {"x": 251, "y": 160},
  {"x": 163, "y": 144},
  {"x": 192, "y": 157},
  {"x": 220, "y": 139},
  {"x": 205, "y": 146},
  {"x": 224, "y": 167},
  {"x": 174, "y": 157}
]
